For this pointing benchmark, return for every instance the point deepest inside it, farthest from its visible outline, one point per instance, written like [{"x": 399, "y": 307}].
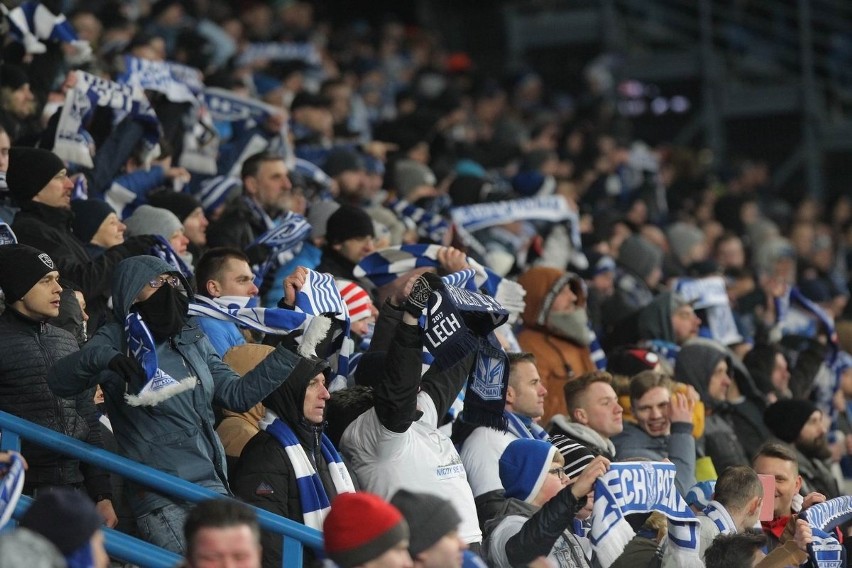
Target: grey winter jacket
[
  {"x": 679, "y": 447},
  {"x": 176, "y": 436}
]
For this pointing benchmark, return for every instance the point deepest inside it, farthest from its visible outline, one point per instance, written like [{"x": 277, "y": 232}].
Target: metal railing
[{"x": 130, "y": 549}]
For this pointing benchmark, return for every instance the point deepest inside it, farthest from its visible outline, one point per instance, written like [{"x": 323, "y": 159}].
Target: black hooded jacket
[{"x": 264, "y": 475}]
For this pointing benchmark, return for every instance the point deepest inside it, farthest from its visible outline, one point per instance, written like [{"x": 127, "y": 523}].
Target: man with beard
[
  {"x": 800, "y": 423},
  {"x": 17, "y": 103},
  {"x": 555, "y": 331}
]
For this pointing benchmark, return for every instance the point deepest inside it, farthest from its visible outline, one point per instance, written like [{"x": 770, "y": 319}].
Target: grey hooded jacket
[{"x": 176, "y": 436}]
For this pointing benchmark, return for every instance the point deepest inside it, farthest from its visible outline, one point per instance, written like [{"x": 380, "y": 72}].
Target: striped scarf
[
  {"x": 159, "y": 385},
  {"x": 163, "y": 250},
  {"x": 826, "y": 551},
  {"x": 312, "y": 494},
  {"x": 717, "y": 513},
  {"x": 10, "y": 488},
  {"x": 521, "y": 429},
  {"x": 284, "y": 240},
  {"x": 641, "y": 487},
  {"x": 429, "y": 225}
]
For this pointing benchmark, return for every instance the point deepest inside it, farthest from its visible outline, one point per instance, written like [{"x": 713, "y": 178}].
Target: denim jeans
[{"x": 164, "y": 527}]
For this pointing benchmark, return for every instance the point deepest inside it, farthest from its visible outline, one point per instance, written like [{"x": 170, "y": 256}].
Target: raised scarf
[
  {"x": 641, "y": 487},
  {"x": 312, "y": 495},
  {"x": 826, "y": 551},
  {"x": 159, "y": 385}
]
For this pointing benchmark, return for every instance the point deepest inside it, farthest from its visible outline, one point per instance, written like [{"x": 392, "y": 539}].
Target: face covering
[
  {"x": 571, "y": 325},
  {"x": 165, "y": 312}
]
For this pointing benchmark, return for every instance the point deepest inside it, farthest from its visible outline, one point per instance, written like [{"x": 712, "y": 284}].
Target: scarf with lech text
[
  {"x": 312, "y": 495},
  {"x": 641, "y": 487},
  {"x": 826, "y": 551}
]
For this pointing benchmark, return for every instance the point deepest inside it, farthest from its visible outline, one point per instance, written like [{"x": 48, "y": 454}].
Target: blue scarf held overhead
[
  {"x": 312, "y": 495},
  {"x": 641, "y": 487},
  {"x": 159, "y": 385},
  {"x": 457, "y": 322},
  {"x": 826, "y": 551},
  {"x": 284, "y": 240}
]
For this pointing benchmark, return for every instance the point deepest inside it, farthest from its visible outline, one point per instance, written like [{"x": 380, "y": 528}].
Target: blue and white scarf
[
  {"x": 280, "y": 51},
  {"x": 641, "y": 487},
  {"x": 720, "y": 516},
  {"x": 429, "y": 225},
  {"x": 312, "y": 495},
  {"x": 11, "y": 487},
  {"x": 284, "y": 240},
  {"x": 457, "y": 322},
  {"x": 7, "y": 235},
  {"x": 523, "y": 427},
  {"x": 71, "y": 142},
  {"x": 227, "y": 106},
  {"x": 826, "y": 551},
  {"x": 241, "y": 311},
  {"x": 32, "y": 21},
  {"x": 179, "y": 83},
  {"x": 159, "y": 385},
  {"x": 312, "y": 173},
  {"x": 163, "y": 250},
  {"x": 710, "y": 294}
]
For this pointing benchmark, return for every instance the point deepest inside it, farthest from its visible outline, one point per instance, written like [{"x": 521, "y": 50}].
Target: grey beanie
[
  {"x": 409, "y": 175},
  {"x": 429, "y": 518},
  {"x": 682, "y": 238},
  {"x": 640, "y": 255},
  {"x": 147, "y": 220},
  {"x": 23, "y": 547},
  {"x": 318, "y": 217}
]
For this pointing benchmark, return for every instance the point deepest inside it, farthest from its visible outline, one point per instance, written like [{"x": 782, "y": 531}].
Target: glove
[
  {"x": 128, "y": 368},
  {"x": 421, "y": 291},
  {"x": 140, "y": 244}
]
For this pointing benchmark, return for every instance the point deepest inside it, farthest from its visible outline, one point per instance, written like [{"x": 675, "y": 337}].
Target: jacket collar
[
  {"x": 17, "y": 319},
  {"x": 52, "y": 215}
]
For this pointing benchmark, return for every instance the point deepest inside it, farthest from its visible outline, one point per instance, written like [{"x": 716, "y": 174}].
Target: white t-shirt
[
  {"x": 480, "y": 455},
  {"x": 420, "y": 459}
]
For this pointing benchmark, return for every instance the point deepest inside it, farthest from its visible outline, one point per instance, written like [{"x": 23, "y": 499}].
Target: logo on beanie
[{"x": 46, "y": 260}]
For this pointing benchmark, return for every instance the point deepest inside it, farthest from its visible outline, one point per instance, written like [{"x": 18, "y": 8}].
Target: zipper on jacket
[{"x": 60, "y": 412}]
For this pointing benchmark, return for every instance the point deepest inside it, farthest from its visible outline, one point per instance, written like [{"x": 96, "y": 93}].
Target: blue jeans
[{"x": 164, "y": 527}]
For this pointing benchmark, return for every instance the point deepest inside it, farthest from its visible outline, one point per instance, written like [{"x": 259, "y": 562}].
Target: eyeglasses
[
  {"x": 158, "y": 282},
  {"x": 558, "y": 472}
]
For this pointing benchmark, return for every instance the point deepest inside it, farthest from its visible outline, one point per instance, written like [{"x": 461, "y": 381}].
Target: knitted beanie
[
  {"x": 639, "y": 255},
  {"x": 147, "y": 220},
  {"x": 348, "y": 222},
  {"x": 429, "y": 518},
  {"x": 66, "y": 517},
  {"x": 786, "y": 418},
  {"x": 360, "y": 527},
  {"x": 343, "y": 160},
  {"x": 682, "y": 238},
  {"x": 357, "y": 299},
  {"x": 21, "y": 267},
  {"x": 12, "y": 77},
  {"x": 181, "y": 204},
  {"x": 30, "y": 169},
  {"x": 577, "y": 456},
  {"x": 523, "y": 467},
  {"x": 89, "y": 215},
  {"x": 409, "y": 175},
  {"x": 22, "y": 547},
  {"x": 318, "y": 217}
]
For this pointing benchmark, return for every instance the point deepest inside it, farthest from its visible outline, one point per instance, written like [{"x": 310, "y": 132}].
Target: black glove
[
  {"x": 126, "y": 367},
  {"x": 257, "y": 254},
  {"x": 427, "y": 283},
  {"x": 140, "y": 244}
]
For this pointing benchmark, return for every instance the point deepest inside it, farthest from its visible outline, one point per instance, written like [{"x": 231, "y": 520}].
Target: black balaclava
[{"x": 165, "y": 312}]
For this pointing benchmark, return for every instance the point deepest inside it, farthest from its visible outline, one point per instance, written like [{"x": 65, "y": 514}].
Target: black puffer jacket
[
  {"x": 264, "y": 475},
  {"x": 30, "y": 348}
]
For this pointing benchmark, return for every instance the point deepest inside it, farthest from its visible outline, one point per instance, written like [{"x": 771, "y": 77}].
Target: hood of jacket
[
  {"x": 287, "y": 401},
  {"x": 542, "y": 285},
  {"x": 655, "y": 319},
  {"x": 695, "y": 365},
  {"x": 131, "y": 276}
]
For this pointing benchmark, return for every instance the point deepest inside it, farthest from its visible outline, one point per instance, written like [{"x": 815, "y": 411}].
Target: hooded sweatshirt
[
  {"x": 558, "y": 360},
  {"x": 695, "y": 365},
  {"x": 176, "y": 436}
]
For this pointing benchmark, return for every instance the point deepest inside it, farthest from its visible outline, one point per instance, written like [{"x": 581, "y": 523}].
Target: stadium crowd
[{"x": 446, "y": 319}]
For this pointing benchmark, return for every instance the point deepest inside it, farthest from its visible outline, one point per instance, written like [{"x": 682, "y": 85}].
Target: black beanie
[
  {"x": 429, "y": 518},
  {"x": 181, "y": 204},
  {"x": 30, "y": 169},
  {"x": 786, "y": 418},
  {"x": 89, "y": 215},
  {"x": 21, "y": 266},
  {"x": 65, "y": 517},
  {"x": 348, "y": 222},
  {"x": 343, "y": 160},
  {"x": 12, "y": 77}
]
